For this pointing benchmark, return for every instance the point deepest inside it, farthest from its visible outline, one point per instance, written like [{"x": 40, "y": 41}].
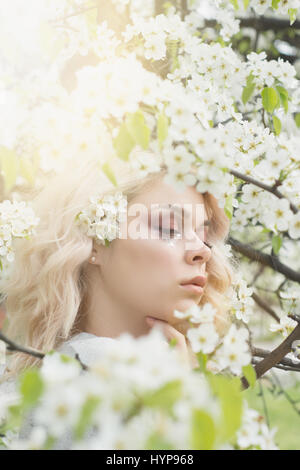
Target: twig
[
  {"x": 264, "y": 23},
  {"x": 264, "y": 403},
  {"x": 256, "y": 40},
  {"x": 270, "y": 189},
  {"x": 294, "y": 317},
  {"x": 287, "y": 396},
  {"x": 265, "y": 259},
  {"x": 257, "y": 275},
  {"x": 184, "y": 8},
  {"x": 256, "y": 361},
  {"x": 285, "y": 361},
  {"x": 263, "y": 304},
  {"x": 261, "y": 23},
  {"x": 159, "y": 7},
  {"x": 75, "y": 13},
  {"x": 274, "y": 358},
  {"x": 15, "y": 347},
  {"x": 12, "y": 346}
]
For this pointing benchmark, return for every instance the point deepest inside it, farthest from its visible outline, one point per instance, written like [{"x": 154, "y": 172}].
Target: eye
[
  {"x": 167, "y": 230},
  {"x": 204, "y": 234},
  {"x": 164, "y": 227},
  {"x": 207, "y": 244}
]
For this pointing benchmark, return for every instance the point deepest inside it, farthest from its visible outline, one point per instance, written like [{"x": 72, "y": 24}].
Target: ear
[{"x": 99, "y": 254}]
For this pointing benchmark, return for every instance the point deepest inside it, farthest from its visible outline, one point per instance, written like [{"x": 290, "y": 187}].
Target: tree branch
[
  {"x": 285, "y": 361},
  {"x": 256, "y": 361},
  {"x": 159, "y": 9},
  {"x": 12, "y": 346},
  {"x": 261, "y": 23},
  {"x": 184, "y": 8},
  {"x": 275, "y": 357},
  {"x": 271, "y": 189},
  {"x": 75, "y": 13},
  {"x": 264, "y": 23},
  {"x": 265, "y": 306},
  {"x": 265, "y": 259},
  {"x": 287, "y": 396}
]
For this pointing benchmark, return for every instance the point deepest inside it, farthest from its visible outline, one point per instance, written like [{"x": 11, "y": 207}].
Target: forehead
[{"x": 162, "y": 194}]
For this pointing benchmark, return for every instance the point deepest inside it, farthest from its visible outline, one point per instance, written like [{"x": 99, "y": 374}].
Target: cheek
[
  {"x": 148, "y": 266},
  {"x": 158, "y": 257}
]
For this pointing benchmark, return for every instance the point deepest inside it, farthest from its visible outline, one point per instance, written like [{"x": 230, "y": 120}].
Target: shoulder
[{"x": 89, "y": 347}]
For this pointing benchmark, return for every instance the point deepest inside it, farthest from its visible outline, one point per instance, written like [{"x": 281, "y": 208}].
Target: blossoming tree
[{"x": 201, "y": 84}]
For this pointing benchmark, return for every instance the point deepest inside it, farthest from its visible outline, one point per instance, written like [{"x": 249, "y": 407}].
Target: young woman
[{"x": 66, "y": 289}]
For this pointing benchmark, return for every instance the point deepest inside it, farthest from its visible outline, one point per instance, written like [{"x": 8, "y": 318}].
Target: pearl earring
[{"x": 93, "y": 259}]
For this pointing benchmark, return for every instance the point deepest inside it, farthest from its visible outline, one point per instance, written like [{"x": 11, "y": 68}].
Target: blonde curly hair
[{"x": 45, "y": 292}]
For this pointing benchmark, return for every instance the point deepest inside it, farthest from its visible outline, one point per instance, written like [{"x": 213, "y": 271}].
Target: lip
[
  {"x": 199, "y": 281},
  {"x": 192, "y": 288}
]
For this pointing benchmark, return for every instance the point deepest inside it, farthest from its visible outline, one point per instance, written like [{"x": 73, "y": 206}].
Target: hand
[{"x": 171, "y": 333}]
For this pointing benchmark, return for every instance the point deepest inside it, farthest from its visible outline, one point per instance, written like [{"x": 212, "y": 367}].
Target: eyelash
[{"x": 176, "y": 231}]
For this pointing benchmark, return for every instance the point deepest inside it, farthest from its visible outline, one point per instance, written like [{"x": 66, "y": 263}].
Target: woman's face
[{"x": 145, "y": 274}]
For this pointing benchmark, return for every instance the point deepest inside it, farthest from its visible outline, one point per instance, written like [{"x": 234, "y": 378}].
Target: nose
[{"x": 197, "y": 251}]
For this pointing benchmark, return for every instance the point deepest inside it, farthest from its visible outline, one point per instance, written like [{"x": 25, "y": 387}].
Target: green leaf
[
  {"x": 248, "y": 89},
  {"x": 3, "y": 444},
  {"x": 9, "y": 166},
  {"x": 85, "y": 418},
  {"x": 106, "y": 168},
  {"x": 228, "y": 390},
  {"x": 167, "y": 6},
  {"x": 284, "y": 97},
  {"x": 246, "y": 4},
  {"x": 162, "y": 128},
  {"x": 173, "y": 342},
  {"x": 50, "y": 441},
  {"x": 203, "y": 432},
  {"x": 31, "y": 387},
  {"x": 138, "y": 130},
  {"x": 29, "y": 169},
  {"x": 270, "y": 99},
  {"x": 235, "y": 3},
  {"x": 165, "y": 397},
  {"x": 249, "y": 374},
  {"x": 15, "y": 418},
  {"x": 123, "y": 143},
  {"x": 292, "y": 14},
  {"x": 277, "y": 125},
  {"x": 67, "y": 359},
  {"x": 297, "y": 119},
  {"x": 244, "y": 45},
  {"x": 276, "y": 243},
  {"x": 228, "y": 208},
  {"x": 275, "y": 4},
  {"x": 158, "y": 442},
  {"x": 202, "y": 360}
]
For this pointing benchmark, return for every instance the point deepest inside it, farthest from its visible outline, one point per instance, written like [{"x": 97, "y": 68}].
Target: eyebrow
[{"x": 180, "y": 211}]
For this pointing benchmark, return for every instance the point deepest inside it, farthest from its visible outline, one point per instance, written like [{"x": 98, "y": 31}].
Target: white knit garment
[{"x": 89, "y": 347}]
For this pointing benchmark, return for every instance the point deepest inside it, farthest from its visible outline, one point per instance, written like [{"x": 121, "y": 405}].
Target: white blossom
[
  {"x": 285, "y": 327},
  {"x": 203, "y": 338}
]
